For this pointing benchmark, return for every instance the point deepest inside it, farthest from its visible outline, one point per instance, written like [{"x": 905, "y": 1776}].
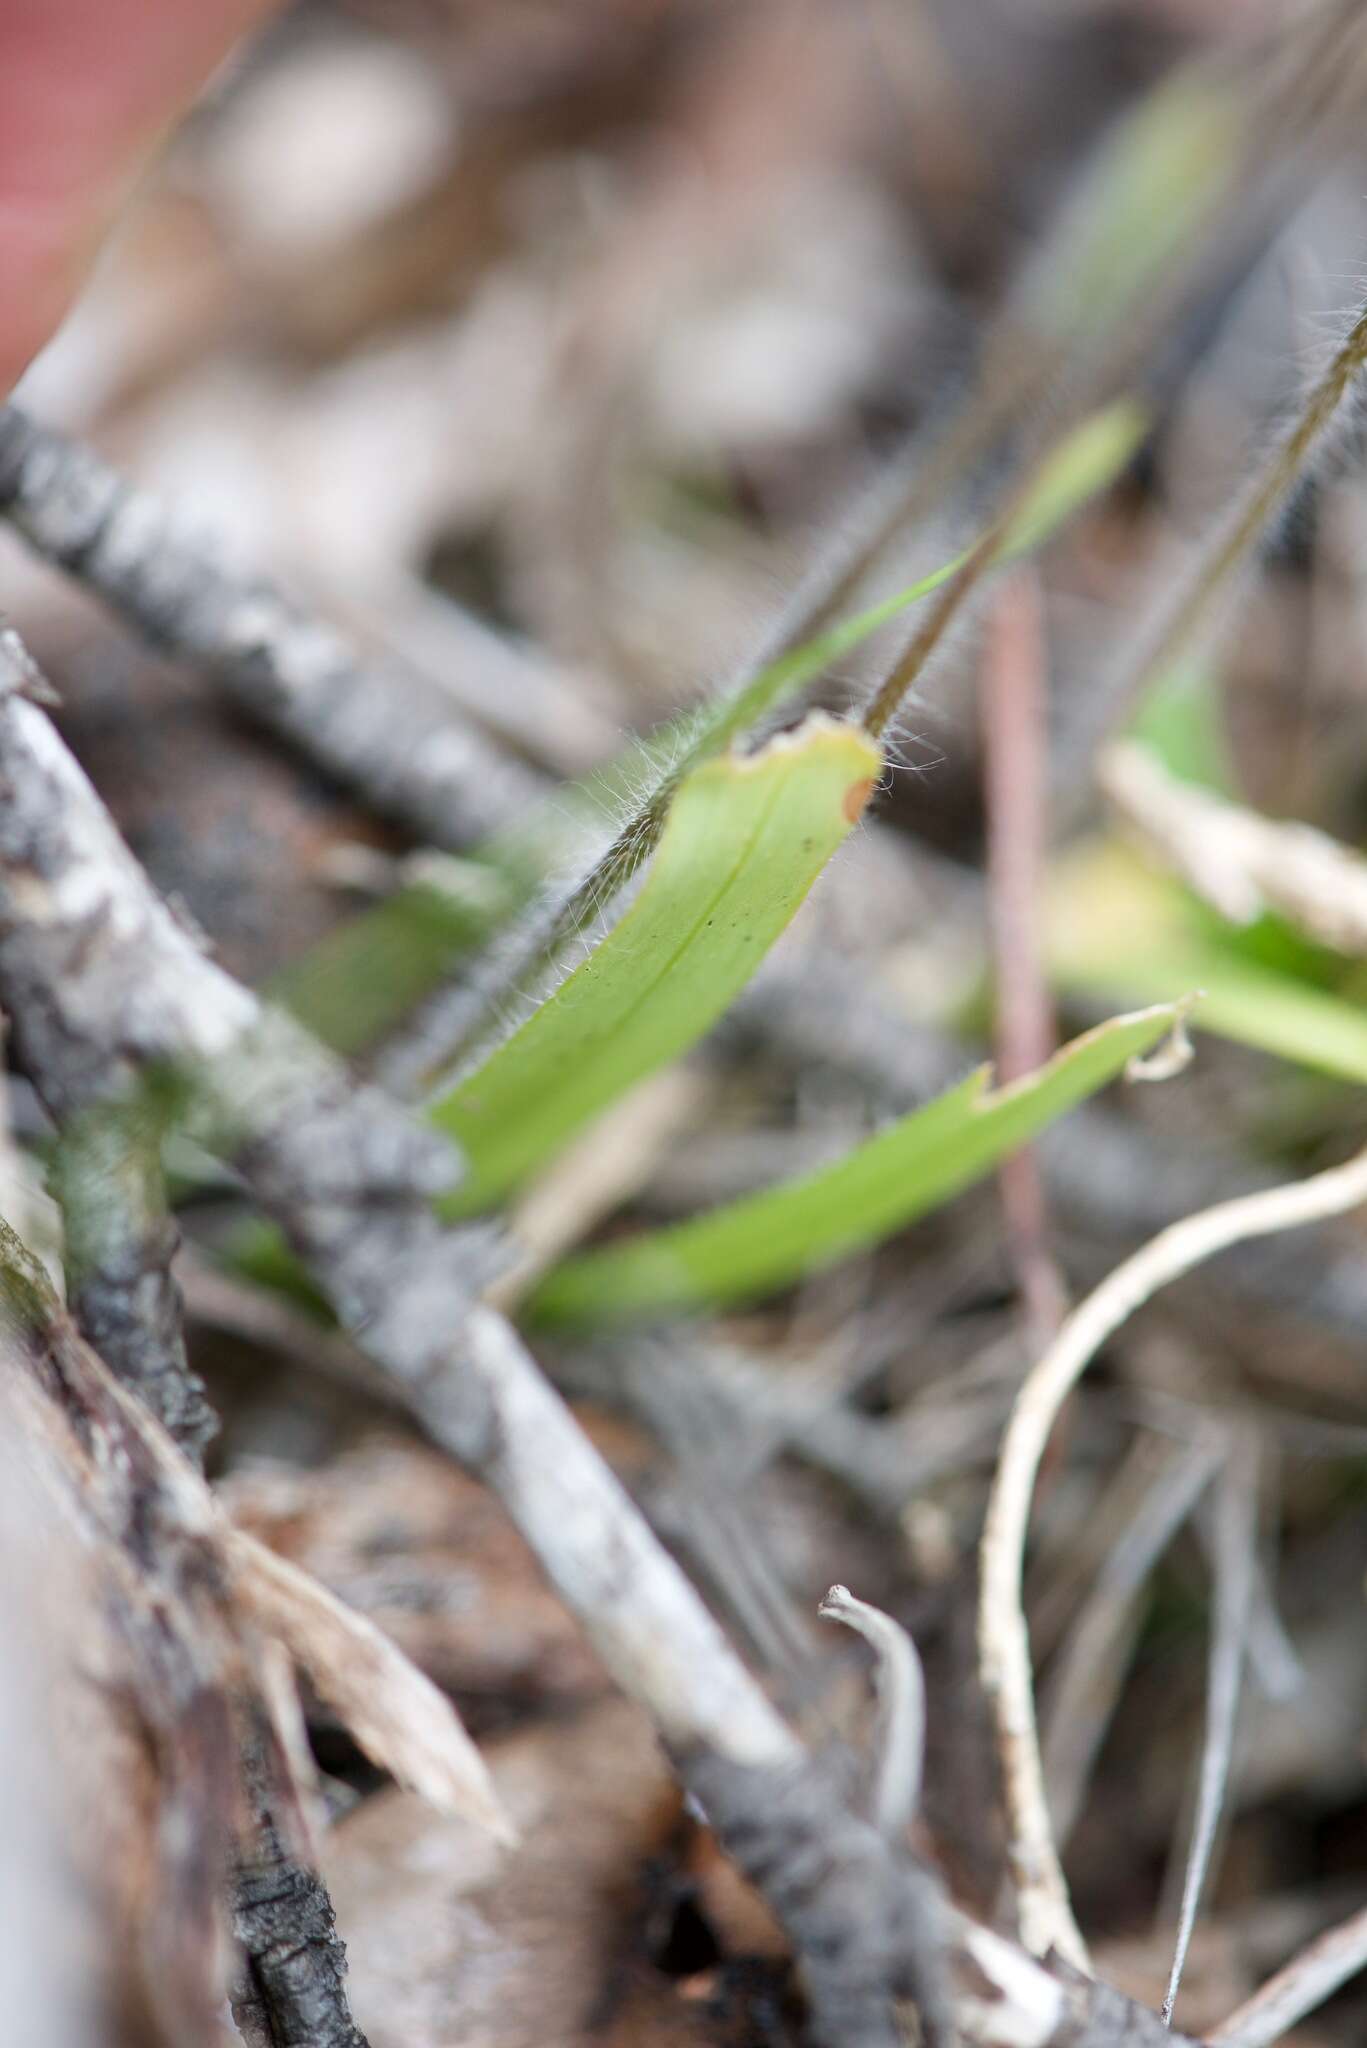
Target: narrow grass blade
[
  {"x": 1084, "y": 462},
  {"x": 1236, "y": 1513},
  {"x": 1092, "y": 1668},
  {"x": 748, "y": 1249}
]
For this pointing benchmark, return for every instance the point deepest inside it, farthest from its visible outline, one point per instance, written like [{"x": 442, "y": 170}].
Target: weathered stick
[
  {"x": 214, "y": 1593},
  {"x": 1302, "y": 1984},
  {"x": 381, "y": 728},
  {"x": 901, "y": 1686}
]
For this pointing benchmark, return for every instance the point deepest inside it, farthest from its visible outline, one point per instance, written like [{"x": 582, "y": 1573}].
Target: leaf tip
[{"x": 1174, "y": 1053}]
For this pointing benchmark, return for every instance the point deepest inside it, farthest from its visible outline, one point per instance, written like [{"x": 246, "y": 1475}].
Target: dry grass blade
[
  {"x": 1046, "y": 1914},
  {"x": 1235, "y": 1559},
  {"x": 1307, "y": 1980},
  {"x": 399, "y": 1718},
  {"x": 1092, "y": 1669}
]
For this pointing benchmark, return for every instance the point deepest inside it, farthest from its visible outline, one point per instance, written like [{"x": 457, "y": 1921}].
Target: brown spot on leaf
[{"x": 856, "y": 797}]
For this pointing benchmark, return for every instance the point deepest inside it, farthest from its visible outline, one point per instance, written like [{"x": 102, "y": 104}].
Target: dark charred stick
[{"x": 120, "y": 1242}]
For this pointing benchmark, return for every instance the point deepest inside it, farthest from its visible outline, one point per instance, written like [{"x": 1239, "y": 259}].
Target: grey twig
[
  {"x": 120, "y": 1242},
  {"x": 120, "y": 1239},
  {"x": 902, "y": 1703},
  {"x": 381, "y": 728},
  {"x": 1305, "y": 1982}
]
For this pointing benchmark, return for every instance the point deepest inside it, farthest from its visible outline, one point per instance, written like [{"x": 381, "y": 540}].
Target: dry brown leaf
[
  {"x": 396, "y": 1714},
  {"x": 588, "y": 1932},
  {"x": 400, "y": 1535}
]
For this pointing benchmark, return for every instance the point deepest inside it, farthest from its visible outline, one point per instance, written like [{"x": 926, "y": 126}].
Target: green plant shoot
[
  {"x": 745, "y": 839},
  {"x": 747, "y": 1249}
]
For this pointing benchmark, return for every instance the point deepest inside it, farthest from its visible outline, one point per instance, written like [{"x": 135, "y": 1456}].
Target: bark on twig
[
  {"x": 120, "y": 1242},
  {"x": 382, "y": 729},
  {"x": 147, "y": 1522},
  {"x": 215, "y": 1598},
  {"x": 292, "y": 1986}
]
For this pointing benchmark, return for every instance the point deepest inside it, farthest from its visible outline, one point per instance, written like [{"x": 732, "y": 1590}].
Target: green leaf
[
  {"x": 1084, "y": 462},
  {"x": 362, "y": 980},
  {"x": 1160, "y": 179},
  {"x": 749, "y": 1248},
  {"x": 1179, "y": 721},
  {"x": 745, "y": 839},
  {"x": 1123, "y": 933}
]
